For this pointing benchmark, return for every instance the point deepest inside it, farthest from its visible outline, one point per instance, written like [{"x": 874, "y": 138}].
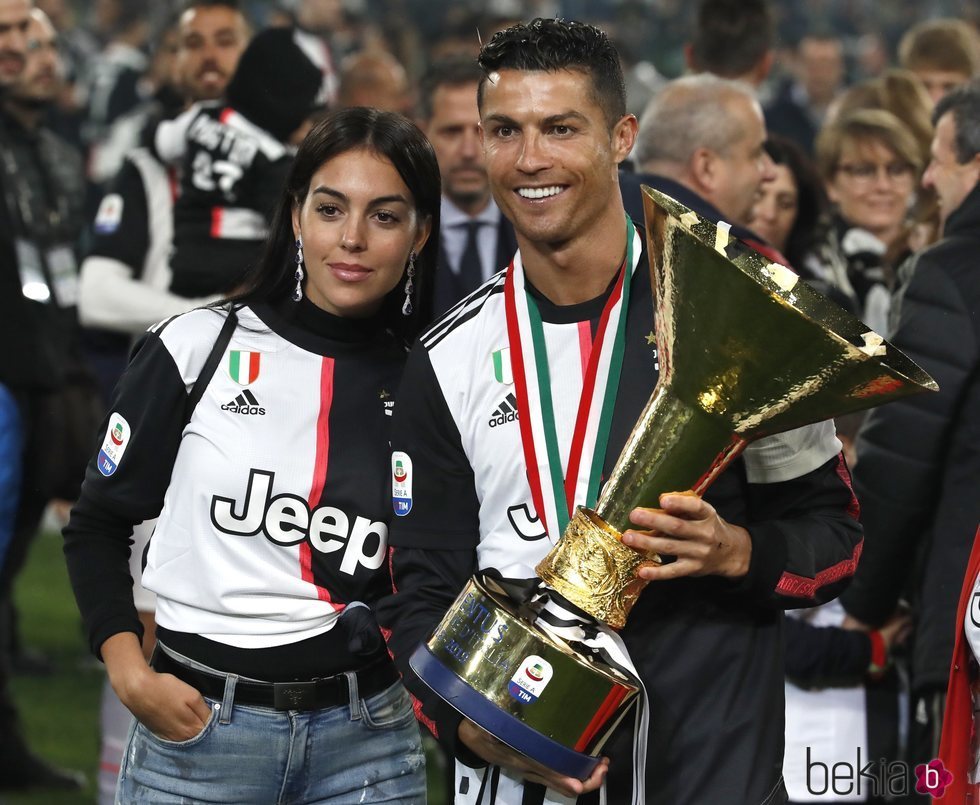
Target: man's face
[
  {"x": 454, "y": 131},
  {"x": 939, "y": 82},
  {"x": 14, "y": 20},
  {"x": 951, "y": 180},
  {"x": 212, "y": 40},
  {"x": 821, "y": 68},
  {"x": 742, "y": 168},
  {"x": 550, "y": 156},
  {"x": 40, "y": 79}
]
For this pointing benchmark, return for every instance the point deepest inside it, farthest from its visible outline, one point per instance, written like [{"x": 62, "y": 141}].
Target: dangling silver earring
[
  {"x": 409, "y": 286},
  {"x": 298, "y": 293}
]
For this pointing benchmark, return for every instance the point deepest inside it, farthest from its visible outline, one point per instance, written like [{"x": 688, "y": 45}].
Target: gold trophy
[{"x": 746, "y": 350}]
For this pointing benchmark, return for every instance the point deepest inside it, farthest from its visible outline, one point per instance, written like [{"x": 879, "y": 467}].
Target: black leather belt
[{"x": 312, "y": 695}]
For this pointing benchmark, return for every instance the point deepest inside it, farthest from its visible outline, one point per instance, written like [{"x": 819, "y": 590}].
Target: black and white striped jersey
[{"x": 272, "y": 498}]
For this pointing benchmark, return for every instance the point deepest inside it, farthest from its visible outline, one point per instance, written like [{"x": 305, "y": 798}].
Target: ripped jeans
[{"x": 367, "y": 751}]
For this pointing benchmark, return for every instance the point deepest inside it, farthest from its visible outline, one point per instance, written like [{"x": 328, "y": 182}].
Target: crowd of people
[{"x": 261, "y": 262}]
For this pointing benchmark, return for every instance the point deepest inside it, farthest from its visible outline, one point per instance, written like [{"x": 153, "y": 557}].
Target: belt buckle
[{"x": 294, "y": 695}]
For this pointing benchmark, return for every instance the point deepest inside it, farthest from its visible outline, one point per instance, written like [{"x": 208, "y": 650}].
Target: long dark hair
[
  {"x": 811, "y": 203},
  {"x": 389, "y": 135}
]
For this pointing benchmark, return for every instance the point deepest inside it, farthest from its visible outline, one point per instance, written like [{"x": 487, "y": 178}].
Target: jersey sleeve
[
  {"x": 433, "y": 543},
  {"x": 120, "y": 231},
  {"x": 125, "y": 483},
  {"x": 806, "y": 537},
  {"x": 442, "y": 507}
]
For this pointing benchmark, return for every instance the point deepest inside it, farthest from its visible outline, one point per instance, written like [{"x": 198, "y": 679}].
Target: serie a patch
[{"x": 114, "y": 445}]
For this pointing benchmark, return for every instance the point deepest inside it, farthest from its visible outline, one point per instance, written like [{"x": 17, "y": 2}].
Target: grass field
[{"x": 61, "y": 712}]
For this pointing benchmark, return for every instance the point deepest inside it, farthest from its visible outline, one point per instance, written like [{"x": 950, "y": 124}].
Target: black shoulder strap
[{"x": 207, "y": 371}]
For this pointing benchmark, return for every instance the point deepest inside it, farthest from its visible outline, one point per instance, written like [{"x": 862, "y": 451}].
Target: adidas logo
[
  {"x": 506, "y": 412},
  {"x": 244, "y": 403}
]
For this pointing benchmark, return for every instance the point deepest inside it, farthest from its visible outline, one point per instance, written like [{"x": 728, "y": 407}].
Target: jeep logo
[{"x": 287, "y": 520}]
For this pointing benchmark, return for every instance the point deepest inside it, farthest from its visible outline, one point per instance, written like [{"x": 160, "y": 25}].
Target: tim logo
[{"x": 881, "y": 778}]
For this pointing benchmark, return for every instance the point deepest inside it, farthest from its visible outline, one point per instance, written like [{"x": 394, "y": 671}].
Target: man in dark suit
[{"x": 476, "y": 241}]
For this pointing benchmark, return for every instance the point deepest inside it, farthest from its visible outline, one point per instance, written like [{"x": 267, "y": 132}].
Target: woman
[
  {"x": 870, "y": 164},
  {"x": 267, "y": 454},
  {"x": 790, "y": 214}
]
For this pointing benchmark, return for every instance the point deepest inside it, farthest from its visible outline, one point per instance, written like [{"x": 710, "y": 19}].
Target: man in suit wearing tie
[{"x": 476, "y": 240}]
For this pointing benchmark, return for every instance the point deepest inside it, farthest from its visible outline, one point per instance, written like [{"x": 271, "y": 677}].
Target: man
[
  {"x": 27, "y": 367},
  {"x": 476, "y": 241},
  {"x": 918, "y": 458},
  {"x": 705, "y": 634},
  {"x": 732, "y": 39},
  {"x": 374, "y": 78},
  {"x": 125, "y": 281},
  {"x": 944, "y": 54},
  {"x": 702, "y": 142},
  {"x": 800, "y": 105}
]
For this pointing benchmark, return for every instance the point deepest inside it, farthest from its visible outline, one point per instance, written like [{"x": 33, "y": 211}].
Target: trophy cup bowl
[{"x": 746, "y": 350}]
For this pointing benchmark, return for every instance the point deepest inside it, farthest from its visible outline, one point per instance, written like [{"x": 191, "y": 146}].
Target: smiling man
[
  {"x": 213, "y": 34},
  {"x": 773, "y": 531}
]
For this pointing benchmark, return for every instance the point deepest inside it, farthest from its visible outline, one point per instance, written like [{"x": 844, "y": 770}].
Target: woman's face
[
  {"x": 775, "y": 210},
  {"x": 872, "y": 187},
  {"x": 358, "y": 224}
]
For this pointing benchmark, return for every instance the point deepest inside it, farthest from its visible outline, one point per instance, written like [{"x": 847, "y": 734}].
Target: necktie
[{"x": 470, "y": 269}]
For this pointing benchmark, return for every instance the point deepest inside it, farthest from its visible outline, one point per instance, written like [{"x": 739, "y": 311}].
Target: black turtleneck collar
[
  {"x": 589, "y": 310},
  {"x": 314, "y": 329}
]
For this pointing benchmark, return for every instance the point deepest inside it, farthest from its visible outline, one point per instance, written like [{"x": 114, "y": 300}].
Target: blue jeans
[{"x": 367, "y": 751}]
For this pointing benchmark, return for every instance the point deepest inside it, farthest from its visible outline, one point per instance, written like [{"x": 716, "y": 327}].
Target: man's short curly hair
[{"x": 549, "y": 45}]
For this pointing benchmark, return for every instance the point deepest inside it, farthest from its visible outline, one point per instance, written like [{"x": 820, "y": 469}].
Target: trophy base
[
  {"x": 491, "y": 661},
  {"x": 503, "y": 726}
]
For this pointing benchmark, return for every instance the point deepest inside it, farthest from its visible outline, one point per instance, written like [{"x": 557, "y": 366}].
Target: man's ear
[
  {"x": 703, "y": 168},
  {"x": 624, "y": 137}
]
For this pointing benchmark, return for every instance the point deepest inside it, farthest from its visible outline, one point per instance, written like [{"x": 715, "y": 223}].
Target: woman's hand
[
  {"x": 168, "y": 707},
  {"x": 483, "y": 744}
]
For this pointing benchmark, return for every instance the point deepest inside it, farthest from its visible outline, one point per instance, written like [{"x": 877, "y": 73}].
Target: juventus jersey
[
  {"x": 231, "y": 175},
  {"x": 708, "y": 649},
  {"x": 273, "y": 513}
]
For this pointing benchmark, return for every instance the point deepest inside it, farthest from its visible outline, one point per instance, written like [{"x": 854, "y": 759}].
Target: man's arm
[{"x": 800, "y": 544}]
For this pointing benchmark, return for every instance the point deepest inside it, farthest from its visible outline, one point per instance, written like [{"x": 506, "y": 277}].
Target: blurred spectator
[
  {"x": 116, "y": 75},
  {"x": 128, "y": 130},
  {"x": 35, "y": 319},
  {"x": 78, "y": 49},
  {"x": 126, "y": 277},
  {"x": 374, "y": 78},
  {"x": 942, "y": 53},
  {"x": 800, "y": 104},
  {"x": 701, "y": 141},
  {"x": 870, "y": 163},
  {"x": 899, "y": 92},
  {"x": 212, "y": 35},
  {"x": 732, "y": 39},
  {"x": 789, "y": 214},
  {"x": 920, "y": 456},
  {"x": 233, "y": 161},
  {"x": 476, "y": 241},
  {"x": 317, "y": 23}
]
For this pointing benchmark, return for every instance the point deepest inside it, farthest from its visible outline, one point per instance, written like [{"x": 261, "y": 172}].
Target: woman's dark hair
[
  {"x": 389, "y": 135},
  {"x": 811, "y": 201}
]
